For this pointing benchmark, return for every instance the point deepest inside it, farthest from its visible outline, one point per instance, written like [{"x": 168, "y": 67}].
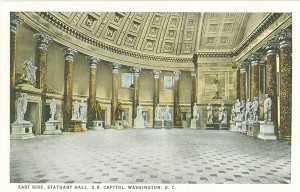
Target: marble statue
[
  {"x": 248, "y": 112},
  {"x": 168, "y": 114},
  {"x": 139, "y": 111},
  {"x": 76, "y": 112},
  {"x": 196, "y": 112},
  {"x": 237, "y": 108},
  {"x": 30, "y": 70},
  {"x": 53, "y": 109},
  {"x": 83, "y": 110},
  {"x": 139, "y": 121},
  {"x": 267, "y": 108},
  {"x": 222, "y": 114},
  {"x": 98, "y": 111},
  {"x": 119, "y": 111},
  {"x": 158, "y": 112},
  {"x": 210, "y": 115},
  {"x": 21, "y": 108},
  {"x": 254, "y": 109},
  {"x": 232, "y": 117}
]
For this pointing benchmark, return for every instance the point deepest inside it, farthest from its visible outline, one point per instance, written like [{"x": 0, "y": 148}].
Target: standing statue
[
  {"x": 76, "y": 112},
  {"x": 21, "y": 108},
  {"x": 53, "y": 108},
  {"x": 237, "y": 108},
  {"x": 30, "y": 70},
  {"x": 232, "y": 117},
  {"x": 210, "y": 115},
  {"x": 248, "y": 111},
  {"x": 83, "y": 110},
  {"x": 222, "y": 114},
  {"x": 139, "y": 112},
  {"x": 158, "y": 112},
  {"x": 196, "y": 112},
  {"x": 98, "y": 110},
  {"x": 267, "y": 108},
  {"x": 119, "y": 111},
  {"x": 254, "y": 109},
  {"x": 168, "y": 114},
  {"x": 178, "y": 115}
]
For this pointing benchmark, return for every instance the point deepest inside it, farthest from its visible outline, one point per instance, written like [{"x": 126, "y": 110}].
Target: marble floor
[{"x": 137, "y": 156}]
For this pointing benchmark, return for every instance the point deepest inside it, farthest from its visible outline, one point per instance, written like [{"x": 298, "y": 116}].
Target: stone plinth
[
  {"x": 223, "y": 126},
  {"x": 212, "y": 126},
  {"x": 195, "y": 124},
  {"x": 253, "y": 129},
  {"x": 267, "y": 131},
  {"x": 97, "y": 125},
  {"x": 139, "y": 123},
  {"x": 83, "y": 124},
  {"x": 157, "y": 124},
  {"x": 244, "y": 127},
  {"x": 75, "y": 126},
  {"x": 21, "y": 130},
  {"x": 232, "y": 126},
  {"x": 53, "y": 127},
  {"x": 119, "y": 124},
  {"x": 168, "y": 124},
  {"x": 238, "y": 125}
]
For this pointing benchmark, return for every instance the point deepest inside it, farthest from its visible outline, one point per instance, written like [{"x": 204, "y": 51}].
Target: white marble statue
[
  {"x": 248, "y": 111},
  {"x": 158, "y": 112},
  {"x": 222, "y": 114},
  {"x": 30, "y": 69},
  {"x": 168, "y": 113},
  {"x": 254, "y": 109},
  {"x": 237, "y": 108},
  {"x": 210, "y": 115},
  {"x": 83, "y": 110},
  {"x": 196, "y": 112},
  {"x": 232, "y": 117},
  {"x": 139, "y": 111},
  {"x": 53, "y": 109},
  {"x": 76, "y": 111},
  {"x": 21, "y": 108},
  {"x": 267, "y": 108}
]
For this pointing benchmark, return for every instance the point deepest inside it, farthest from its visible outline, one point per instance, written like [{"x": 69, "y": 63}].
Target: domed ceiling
[{"x": 158, "y": 36}]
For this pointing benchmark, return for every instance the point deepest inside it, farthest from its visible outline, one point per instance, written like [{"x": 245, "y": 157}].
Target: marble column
[
  {"x": 93, "y": 62},
  {"x": 238, "y": 84},
  {"x": 42, "y": 42},
  {"x": 243, "y": 80},
  {"x": 271, "y": 78},
  {"x": 14, "y": 22},
  {"x": 176, "y": 118},
  {"x": 136, "y": 73},
  {"x": 194, "y": 90},
  {"x": 156, "y": 74},
  {"x": 255, "y": 58},
  {"x": 285, "y": 62},
  {"x": 69, "y": 54},
  {"x": 115, "y": 90}
]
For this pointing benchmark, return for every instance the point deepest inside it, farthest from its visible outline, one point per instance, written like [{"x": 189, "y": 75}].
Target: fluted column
[
  {"x": 69, "y": 54},
  {"x": 156, "y": 74},
  {"x": 271, "y": 78},
  {"x": 115, "y": 90},
  {"x": 285, "y": 61},
  {"x": 136, "y": 73},
  {"x": 242, "y": 81},
  {"x": 93, "y": 62},
  {"x": 176, "y": 120},
  {"x": 42, "y": 42},
  {"x": 14, "y": 22},
  {"x": 194, "y": 90}
]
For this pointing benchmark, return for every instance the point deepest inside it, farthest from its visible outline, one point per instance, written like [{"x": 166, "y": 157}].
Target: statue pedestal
[
  {"x": 244, "y": 127},
  {"x": 238, "y": 125},
  {"x": 223, "y": 126},
  {"x": 97, "y": 125},
  {"x": 75, "y": 126},
  {"x": 212, "y": 126},
  {"x": 83, "y": 124},
  {"x": 21, "y": 130},
  {"x": 158, "y": 124},
  {"x": 232, "y": 126},
  {"x": 119, "y": 124},
  {"x": 168, "y": 124},
  {"x": 266, "y": 131},
  {"x": 178, "y": 124},
  {"x": 53, "y": 127},
  {"x": 253, "y": 129},
  {"x": 139, "y": 123},
  {"x": 195, "y": 124}
]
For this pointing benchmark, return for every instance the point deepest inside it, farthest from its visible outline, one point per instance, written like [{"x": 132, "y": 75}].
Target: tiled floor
[{"x": 150, "y": 156}]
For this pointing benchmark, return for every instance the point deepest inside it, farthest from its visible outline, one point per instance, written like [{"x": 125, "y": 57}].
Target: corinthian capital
[
  {"x": 271, "y": 46},
  {"x": 115, "y": 67},
  {"x": 156, "y": 73},
  {"x": 194, "y": 73},
  {"x": 254, "y": 58},
  {"x": 42, "y": 41},
  {"x": 176, "y": 75},
  {"x": 14, "y": 22},
  {"x": 69, "y": 53},
  {"x": 284, "y": 38},
  {"x": 136, "y": 70},
  {"x": 93, "y": 61}
]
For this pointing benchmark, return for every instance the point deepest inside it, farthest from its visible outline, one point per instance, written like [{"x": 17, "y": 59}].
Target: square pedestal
[
  {"x": 119, "y": 124},
  {"x": 212, "y": 126},
  {"x": 232, "y": 126},
  {"x": 97, "y": 125},
  {"x": 195, "y": 124},
  {"x": 238, "y": 125},
  {"x": 75, "y": 126},
  {"x": 266, "y": 131},
  {"x": 253, "y": 129},
  {"x": 139, "y": 123},
  {"x": 157, "y": 124},
  {"x": 168, "y": 124},
  {"x": 244, "y": 127},
  {"x": 53, "y": 127},
  {"x": 223, "y": 126},
  {"x": 83, "y": 124},
  {"x": 21, "y": 130}
]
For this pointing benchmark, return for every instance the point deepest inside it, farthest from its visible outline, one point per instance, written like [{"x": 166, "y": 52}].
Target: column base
[
  {"x": 253, "y": 129},
  {"x": 267, "y": 131},
  {"x": 157, "y": 124},
  {"x": 53, "y": 127},
  {"x": 195, "y": 124},
  {"x": 119, "y": 124},
  {"x": 22, "y": 130},
  {"x": 75, "y": 126},
  {"x": 168, "y": 124},
  {"x": 97, "y": 126}
]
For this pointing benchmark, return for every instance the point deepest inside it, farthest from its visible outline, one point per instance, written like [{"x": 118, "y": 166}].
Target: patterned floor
[{"x": 136, "y": 156}]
